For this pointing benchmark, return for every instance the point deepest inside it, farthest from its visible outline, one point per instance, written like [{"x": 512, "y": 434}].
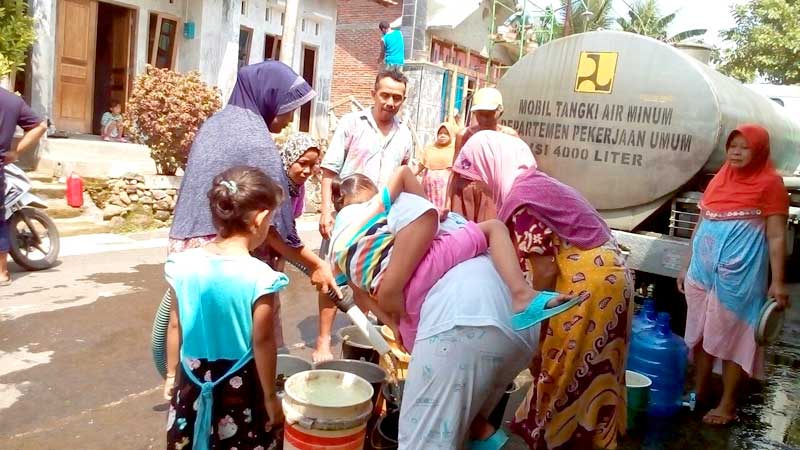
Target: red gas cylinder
[{"x": 74, "y": 191}]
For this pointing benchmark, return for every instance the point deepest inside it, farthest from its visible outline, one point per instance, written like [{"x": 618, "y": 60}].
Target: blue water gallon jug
[
  {"x": 662, "y": 356},
  {"x": 645, "y": 317}
]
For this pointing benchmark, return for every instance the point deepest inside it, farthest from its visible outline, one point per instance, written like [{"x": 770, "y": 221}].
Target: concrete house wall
[{"x": 213, "y": 51}]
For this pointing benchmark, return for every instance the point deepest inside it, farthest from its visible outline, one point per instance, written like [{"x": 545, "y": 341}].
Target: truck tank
[{"x": 628, "y": 120}]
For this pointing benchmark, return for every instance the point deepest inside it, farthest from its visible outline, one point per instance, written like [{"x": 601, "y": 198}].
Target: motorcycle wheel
[{"x": 24, "y": 248}]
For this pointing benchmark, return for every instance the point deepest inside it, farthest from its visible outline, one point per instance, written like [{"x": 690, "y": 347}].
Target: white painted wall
[
  {"x": 213, "y": 51},
  {"x": 321, "y": 12},
  {"x": 43, "y": 58},
  {"x": 143, "y": 9}
]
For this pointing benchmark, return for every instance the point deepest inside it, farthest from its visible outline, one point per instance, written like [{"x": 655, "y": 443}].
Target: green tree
[
  {"x": 585, "y": 15},
  {"x": 644, "y": 17},
  {"x": 16, "y": 35},
  {"x": 766, "y": 42}
]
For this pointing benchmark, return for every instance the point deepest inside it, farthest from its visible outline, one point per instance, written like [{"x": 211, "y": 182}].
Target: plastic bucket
[
  {"x": 373, "y": 373},
  {"x": 392, "y": 404},
  {"x": 384, "y": 435},
  {"x": 286, "y": 366},
  {"x": 326, "y": 410},
  {"x": 356, "y": 346},
  {"x": 496, "y": 416},
  {"x": 638, "y": 389}
]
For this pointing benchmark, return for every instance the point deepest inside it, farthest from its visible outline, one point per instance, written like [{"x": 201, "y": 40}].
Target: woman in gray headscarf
[{"x": 263, "y": 101}]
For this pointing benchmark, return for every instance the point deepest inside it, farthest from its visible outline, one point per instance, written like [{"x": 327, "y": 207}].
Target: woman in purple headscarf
[
  {"x": 263, "y": 101},
  {"x": 578, "y": 397}
]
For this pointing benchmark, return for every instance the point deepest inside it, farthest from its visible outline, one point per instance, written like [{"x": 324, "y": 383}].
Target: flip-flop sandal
[
  {"x": 537, "y": 310},
  {"x": 495, "y": 442}
]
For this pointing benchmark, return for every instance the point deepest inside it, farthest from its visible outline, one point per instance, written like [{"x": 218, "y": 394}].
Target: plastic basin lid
[{"x": 769, "y": 323}]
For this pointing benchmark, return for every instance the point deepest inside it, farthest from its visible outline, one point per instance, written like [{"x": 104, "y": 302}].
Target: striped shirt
[{"x": 362, "y": 242}]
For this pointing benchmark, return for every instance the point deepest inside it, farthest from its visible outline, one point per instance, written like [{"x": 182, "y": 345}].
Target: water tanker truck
[{"x": 639, "y": 127}]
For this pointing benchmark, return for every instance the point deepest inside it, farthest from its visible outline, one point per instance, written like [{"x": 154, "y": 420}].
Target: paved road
[
  {"x": 76, "y": 370},
  {"x": 75, "y": 364}
]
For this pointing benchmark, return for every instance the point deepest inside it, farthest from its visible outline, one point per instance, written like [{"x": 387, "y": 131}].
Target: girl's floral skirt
[{"x": 238, "y": 419}]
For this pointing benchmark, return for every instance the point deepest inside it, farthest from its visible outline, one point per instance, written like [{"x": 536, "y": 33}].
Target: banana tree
[{"x": 644, "y": 17}]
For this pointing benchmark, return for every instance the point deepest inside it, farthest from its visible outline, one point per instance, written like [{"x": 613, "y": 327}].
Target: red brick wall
[{"x": 358, "y": 47}]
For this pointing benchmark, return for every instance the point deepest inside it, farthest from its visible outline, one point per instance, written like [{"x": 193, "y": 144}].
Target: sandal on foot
[
  {"x": 494, "y": 442},
  {"x": 537, "y": 311},
  {"x": 6, "y": 282}
]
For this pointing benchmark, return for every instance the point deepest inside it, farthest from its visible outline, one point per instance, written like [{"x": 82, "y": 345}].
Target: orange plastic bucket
[{"x": 326, "y": 410}]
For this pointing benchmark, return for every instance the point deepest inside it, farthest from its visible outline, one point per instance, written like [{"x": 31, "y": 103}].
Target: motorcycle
[{"x": 33, "y": 234}]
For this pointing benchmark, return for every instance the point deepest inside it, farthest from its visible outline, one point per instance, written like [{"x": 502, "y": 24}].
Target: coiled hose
[{"x": 158, "y": 337}]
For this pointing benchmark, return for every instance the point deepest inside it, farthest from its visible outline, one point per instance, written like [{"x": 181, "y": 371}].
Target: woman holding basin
[{"x": 738, "y": 246}]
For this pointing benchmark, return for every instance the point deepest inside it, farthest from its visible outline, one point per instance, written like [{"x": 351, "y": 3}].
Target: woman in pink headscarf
[
  {"x": 485, "y": 165},
  {"x": 578, "y": 397}
]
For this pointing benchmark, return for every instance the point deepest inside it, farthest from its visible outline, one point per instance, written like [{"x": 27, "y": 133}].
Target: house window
[
  {"x": 283, "y": 17},
  {"x": 268, "y": 15},
  {"x": 303, "y": 25},
  {"x": 244, "y": 7},
  {"x": 316, "y": 29},
  {"x": 245, "y": 38},
  {"x": 272, "y": 47},
  {"x": 161, "y": 41}
]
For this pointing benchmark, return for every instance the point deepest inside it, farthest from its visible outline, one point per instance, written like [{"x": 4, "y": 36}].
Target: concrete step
[
  {"x": 78, "y": 226},
  {"x": 89, "y": 156},
  {"x": 57, "y": 208},
  {"x": 48, "y": 189}
]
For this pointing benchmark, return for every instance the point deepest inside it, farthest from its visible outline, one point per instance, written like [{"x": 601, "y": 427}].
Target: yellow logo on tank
[{"x": 596, "y": 72}]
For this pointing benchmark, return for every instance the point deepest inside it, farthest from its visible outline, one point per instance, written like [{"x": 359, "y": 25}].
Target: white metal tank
[{"x": 629, "y": 120}]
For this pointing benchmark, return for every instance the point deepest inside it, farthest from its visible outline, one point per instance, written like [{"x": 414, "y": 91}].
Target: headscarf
[
  {"x": 562, "y": 208},
  {"x": 238, "y": 135},
  {"x": 438, "y": 156},
  {"x": 496, "y": 159},
  {"x": 296, "y": 146},
  {"x": 756, "y": 188},
  {"x": 270, "y": 88}
]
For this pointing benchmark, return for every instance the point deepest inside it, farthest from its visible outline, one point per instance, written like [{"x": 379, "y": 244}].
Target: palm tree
[
  {"x": 645, "y": 18},
  {"x": 585, "y": 15}
]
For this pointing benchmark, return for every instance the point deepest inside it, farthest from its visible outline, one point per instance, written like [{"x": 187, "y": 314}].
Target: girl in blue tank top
[{"x": 225, "y": 392}]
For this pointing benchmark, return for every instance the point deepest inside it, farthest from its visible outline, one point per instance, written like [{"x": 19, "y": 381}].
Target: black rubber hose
[{"x": 158, "y": 337}]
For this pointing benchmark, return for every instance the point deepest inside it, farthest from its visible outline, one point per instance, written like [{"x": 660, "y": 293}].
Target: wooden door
[
  {"x": 121, "y": 57},
  {"x": 76, "y": 31}
]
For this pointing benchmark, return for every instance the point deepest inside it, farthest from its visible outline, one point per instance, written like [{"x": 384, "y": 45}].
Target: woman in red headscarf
[{"x": 737, "y": 243}]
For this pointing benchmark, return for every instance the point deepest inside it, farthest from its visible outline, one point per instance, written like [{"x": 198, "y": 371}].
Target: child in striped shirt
[{"x": 397, "y": 260}]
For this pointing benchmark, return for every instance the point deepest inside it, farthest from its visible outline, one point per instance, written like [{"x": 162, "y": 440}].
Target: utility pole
[{"x": 290, "y": 23}]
